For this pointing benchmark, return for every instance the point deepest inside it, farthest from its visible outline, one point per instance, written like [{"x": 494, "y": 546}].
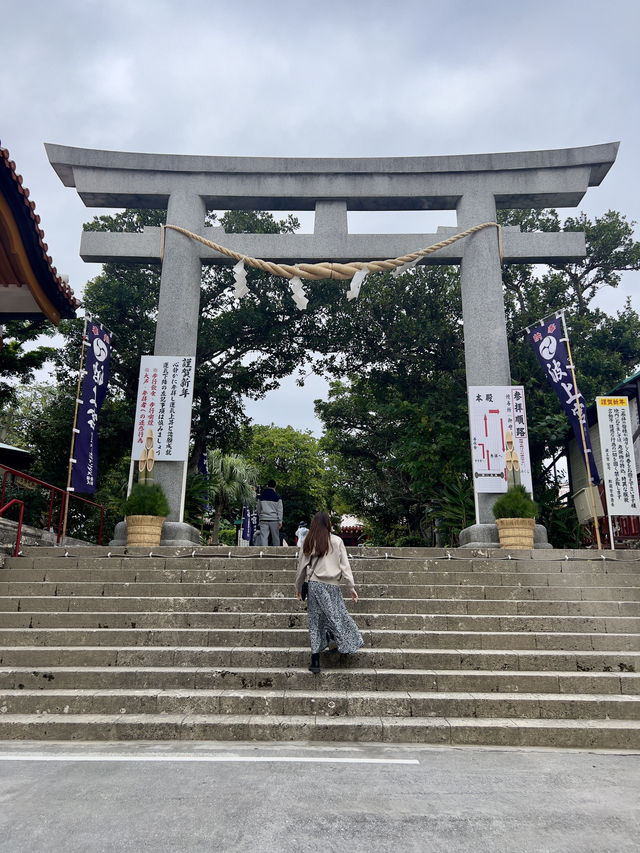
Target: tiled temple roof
[{"x": 27, "y": 221}]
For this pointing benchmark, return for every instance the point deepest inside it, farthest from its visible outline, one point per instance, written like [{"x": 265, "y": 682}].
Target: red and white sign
[
  {"x": 499, "y": 438},
  {"x": 163, "y": 408}
]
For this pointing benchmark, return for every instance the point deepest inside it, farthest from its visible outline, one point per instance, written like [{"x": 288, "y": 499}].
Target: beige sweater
[{"x": 328, "y": 569}]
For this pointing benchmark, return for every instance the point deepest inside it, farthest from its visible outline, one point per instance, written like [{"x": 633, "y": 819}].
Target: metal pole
[
  {"x": 611, "y": 539},
  {"x": 582, "y": 435},
  {"x": 476, "y": 506},
  {"x": 74, "y": 431},
  {"x": 130, "y": 480}
]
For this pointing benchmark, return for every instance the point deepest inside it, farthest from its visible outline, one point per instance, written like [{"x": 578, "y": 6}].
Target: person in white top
[
  {"x": 301, "y": 532},
  {"x": 323, "y": 563}
]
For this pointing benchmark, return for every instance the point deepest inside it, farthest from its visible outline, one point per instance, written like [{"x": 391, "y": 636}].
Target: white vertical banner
[
  {"x": 499, "y": 438},
  {"x": 163, "y": 407},
  {"x": 616, "y": 443}
]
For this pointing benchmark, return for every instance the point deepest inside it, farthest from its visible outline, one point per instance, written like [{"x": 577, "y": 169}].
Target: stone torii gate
[{"x": 472, "y": 185}]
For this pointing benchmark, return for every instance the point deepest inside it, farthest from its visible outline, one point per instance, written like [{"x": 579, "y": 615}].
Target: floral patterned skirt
[{"x": 328, "y": 616}]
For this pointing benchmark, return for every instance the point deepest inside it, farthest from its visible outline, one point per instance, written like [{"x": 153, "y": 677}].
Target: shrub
[
  {"x": 147, "y": 500},
  {"x": 411, "y": 540},
  {"x": 516, "y": 503},
  {"x": 452, "y": 510},
  {"x": 227, "y": 536}
]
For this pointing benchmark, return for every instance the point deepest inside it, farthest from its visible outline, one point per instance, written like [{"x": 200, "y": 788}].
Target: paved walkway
[{"x": 187, "y": 797}]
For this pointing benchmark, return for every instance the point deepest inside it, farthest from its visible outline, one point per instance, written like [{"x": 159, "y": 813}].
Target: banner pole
[
  {"x": 130, "y": 480},
  {"x": 476, "y": 504},
  {"x": 73, "y": 431},
  {"x": 584, "y": 442},
  {"x": 611, "y": 540}
]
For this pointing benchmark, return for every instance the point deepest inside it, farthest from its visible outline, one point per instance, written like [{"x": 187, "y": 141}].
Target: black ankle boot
[
  {"x": 331, "y": 643},
  {"x": 315, "y": 664}
]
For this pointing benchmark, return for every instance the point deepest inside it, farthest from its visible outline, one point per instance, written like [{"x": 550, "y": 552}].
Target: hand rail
[
  {"x": 53, "y": 490},
  {"x": 16, "y": 550}
]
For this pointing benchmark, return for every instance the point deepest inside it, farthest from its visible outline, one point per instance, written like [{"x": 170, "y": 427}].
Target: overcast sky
[{"x": 330, "y": 78}]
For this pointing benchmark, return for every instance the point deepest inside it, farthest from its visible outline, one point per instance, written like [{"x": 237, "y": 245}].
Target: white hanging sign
[
  {"x": 163, "y": 407},
  {"x": 356, "y": 283},
  {"x": 499, "y": 438},
  {"x": 297, "y": 290},
  {"x": 240, "y": 279},
  {"x": 618, "y": 461}
]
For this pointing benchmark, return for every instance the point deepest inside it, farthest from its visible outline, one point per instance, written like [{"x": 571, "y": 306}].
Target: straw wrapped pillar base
[
  {"x": 144, "y": 530},
  {"x": 516, "y": 533}
]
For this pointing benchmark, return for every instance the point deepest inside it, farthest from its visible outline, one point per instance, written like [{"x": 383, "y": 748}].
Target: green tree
[
  {"x": 244, "y": 347},
  {"x": 605, "y": 348},
  {"x": 22, "y": 353},
  {"x": 29, "y": 405},
  {"x": 397, "y": 424},
  {"x": 231, "y": 484},
  {"x": 397, "y": 418},
  {"x": 296, "y": 461}
]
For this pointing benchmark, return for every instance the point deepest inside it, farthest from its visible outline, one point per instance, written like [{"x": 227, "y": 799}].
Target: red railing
[
  {"x": 53, "y": 491},
  {"x": 16, "y": 550}
]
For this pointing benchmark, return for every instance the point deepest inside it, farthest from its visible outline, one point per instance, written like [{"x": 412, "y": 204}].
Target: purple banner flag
[
  {"x": 549, "y": 342},
  {"x": 94, "y": 389}
]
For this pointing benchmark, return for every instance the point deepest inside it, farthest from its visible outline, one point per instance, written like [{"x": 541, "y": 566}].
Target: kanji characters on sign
[
  {"x": 165, "y": 393},
  {"x": 84, "y": 473}
]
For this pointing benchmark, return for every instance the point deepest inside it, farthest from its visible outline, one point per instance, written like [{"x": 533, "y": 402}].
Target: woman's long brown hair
[{"x": 318, "y": 538}]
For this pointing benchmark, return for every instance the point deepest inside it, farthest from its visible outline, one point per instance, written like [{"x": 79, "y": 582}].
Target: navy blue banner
[
  {"x": 84, "y": 473},
  {"x": 548, "y": 342},
  {"x": 248, "y": 524}
]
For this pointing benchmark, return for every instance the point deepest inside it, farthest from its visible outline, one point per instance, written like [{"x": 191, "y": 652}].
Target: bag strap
[{"x": 311, "y": 563}]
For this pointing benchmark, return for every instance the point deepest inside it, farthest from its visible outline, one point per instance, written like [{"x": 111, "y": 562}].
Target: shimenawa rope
[{"x": 316, "y": 272}]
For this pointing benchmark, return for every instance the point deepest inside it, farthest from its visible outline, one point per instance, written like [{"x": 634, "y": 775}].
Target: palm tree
[{"x": 231, "y": 484}]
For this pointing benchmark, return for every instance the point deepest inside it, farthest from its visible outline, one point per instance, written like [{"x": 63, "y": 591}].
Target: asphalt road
[{"x": 81, "y": 798}]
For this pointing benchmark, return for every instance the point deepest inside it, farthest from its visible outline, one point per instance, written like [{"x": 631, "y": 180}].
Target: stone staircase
[{"x": 537, "y": 648}]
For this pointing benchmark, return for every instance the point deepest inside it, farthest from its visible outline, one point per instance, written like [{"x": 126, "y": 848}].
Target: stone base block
[
  {"x": 486, "y": 536},
  {"x": 174, "y": 533}
]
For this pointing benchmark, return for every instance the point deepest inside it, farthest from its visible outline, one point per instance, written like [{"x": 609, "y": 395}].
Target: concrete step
[
  {"x": 481, "y": 648},
  {"x": 368, "y": 556},
  {"x": 397, "y": 659},
  {"x": 108, "y": 572},
  {"x": 340, "y": 703},
  {"x": 585, "y": 734},
  {"x": 265, "y": 606},
  {"x": 235, "y": 678},
  {"x": 496, "y": 561},
  {"x": 249, "y": 638},
  {"x": 276, "y": 590},
  {"x": 288, "y": 619},
  {"x": 273, "y": 638}
]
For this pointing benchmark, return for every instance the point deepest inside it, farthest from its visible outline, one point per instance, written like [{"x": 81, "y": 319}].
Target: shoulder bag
[{"x": 304, "y": 592}]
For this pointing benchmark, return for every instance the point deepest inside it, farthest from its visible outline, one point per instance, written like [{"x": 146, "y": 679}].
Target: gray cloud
[{"x": 334, "y": 78}]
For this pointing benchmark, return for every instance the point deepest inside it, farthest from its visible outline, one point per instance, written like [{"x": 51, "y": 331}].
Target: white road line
[{"x": 168, "y": 759}]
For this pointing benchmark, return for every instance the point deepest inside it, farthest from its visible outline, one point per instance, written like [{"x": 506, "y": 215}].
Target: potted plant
[
  {"x": 145, "y": 511},
  {"x": 515, "y": 514}
]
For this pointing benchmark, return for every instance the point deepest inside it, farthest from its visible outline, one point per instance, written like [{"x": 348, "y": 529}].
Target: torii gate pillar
[
  {"x": 177, "y": 334},
  {"x": 474, "y": 185},
  {"x": 486, "y": 351}
]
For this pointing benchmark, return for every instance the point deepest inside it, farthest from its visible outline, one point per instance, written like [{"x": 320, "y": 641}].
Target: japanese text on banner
[
  {"x": 499, "y": 438},
  {"x": 94, "y": 390},
  {"x": 163, "y": 409},
  {"x": 618, "y": 460}
]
